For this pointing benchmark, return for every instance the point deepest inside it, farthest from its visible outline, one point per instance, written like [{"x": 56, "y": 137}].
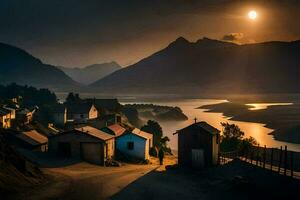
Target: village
[{"x": 89, "y": 143}]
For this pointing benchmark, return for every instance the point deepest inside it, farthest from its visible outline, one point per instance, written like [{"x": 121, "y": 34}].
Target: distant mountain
[
  {"x": 211, "y": 66},
  {"x": 91, "y": 73},
  {"x": 18, "y": 66}
]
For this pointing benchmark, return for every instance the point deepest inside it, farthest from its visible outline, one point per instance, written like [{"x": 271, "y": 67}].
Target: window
[{"x": 130, "y": 145}]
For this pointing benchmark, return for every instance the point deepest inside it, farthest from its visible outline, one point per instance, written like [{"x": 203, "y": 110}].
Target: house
[
  {"x": 198, "y": 145},
  {"x": 5, "y": 118},
  {"x": 86, "y": 143},
  {"x": 25, "y": 116},
  {"x": 105, "y": 106},
  {"x": 135, "y": 144},
  {"x": 59, "y": 115},
  {"x": 115, "y": 129},
  {"x": 81, "y": 112},
  {"x": 33, "y": 140}
]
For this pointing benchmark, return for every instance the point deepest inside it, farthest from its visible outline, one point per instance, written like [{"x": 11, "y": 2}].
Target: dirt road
[{"x": 86, "y": 181}]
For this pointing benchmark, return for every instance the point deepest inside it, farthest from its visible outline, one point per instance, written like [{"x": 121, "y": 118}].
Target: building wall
[
  {"x": 93, "y": 114},
  {"x": 5, "y": 121},
  {"x": 141, "y": 145},
  {"x": 194, "y": 139},
  {"x": 74, "y": 139},
  {"x": 60, "y": 118},
  {"x": 110, "y": 148}
]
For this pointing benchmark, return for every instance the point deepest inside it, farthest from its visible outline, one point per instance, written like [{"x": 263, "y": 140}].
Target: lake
[{"x": 188, "y": 106}]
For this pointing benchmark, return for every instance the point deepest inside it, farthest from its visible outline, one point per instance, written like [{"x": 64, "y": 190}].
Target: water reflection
[
  {"x": 256, "y": 130},
  {"x": 261, "y": 106}
]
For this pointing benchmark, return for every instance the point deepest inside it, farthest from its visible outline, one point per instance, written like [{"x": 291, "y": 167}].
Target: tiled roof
[{"x": 117, "y": 129}]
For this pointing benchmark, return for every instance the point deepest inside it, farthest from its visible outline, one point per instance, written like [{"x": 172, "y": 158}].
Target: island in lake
[
  {"x": 283, "y": 119},
  {"x": 157, "y": 112}
]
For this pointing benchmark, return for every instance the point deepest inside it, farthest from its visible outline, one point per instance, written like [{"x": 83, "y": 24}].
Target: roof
[
  {"x": 4, "y": 111},
  {"x": 58, "y": 108},
  {"x": 33, "y": 137},
  {"x": 79, "y": 107},
  {"x": 117, "y": 129},
  {"x": 109, "y": 104},
  {"x": 95, "y": 132},
  {"x": 202, "y": 125},
  {"x": 142, "y": 134}
]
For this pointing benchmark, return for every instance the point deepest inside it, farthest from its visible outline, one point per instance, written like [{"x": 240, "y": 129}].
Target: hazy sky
[{"x": 77, "y": 33}]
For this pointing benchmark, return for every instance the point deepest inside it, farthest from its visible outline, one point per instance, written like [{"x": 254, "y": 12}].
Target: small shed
[
  {"x": 135, "y": 143},
  {"x": 88, "y": 143},
  {"x": 198, "y": 145},
  {"x": 33, "y": 140}
]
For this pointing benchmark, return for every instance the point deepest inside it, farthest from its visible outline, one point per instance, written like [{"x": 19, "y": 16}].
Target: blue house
[{"x": 135, "y": 143}]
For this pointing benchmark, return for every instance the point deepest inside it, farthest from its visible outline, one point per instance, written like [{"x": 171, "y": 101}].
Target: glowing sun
[{"x": 252, "y": 14}]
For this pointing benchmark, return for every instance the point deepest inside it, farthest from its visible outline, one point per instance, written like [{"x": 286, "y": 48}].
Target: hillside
[
  {"x": 91, "y": 73},
  {"x": 16, "y": 65},
  {"x": 16, "y": 173},
  {"x": 211, "y": 66}
]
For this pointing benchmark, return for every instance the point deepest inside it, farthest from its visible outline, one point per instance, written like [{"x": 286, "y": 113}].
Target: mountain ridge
[
  {"x": 221, "y": 66},
  {"x": 91, "y": 73},
  {"x": 18, "y": 66}
]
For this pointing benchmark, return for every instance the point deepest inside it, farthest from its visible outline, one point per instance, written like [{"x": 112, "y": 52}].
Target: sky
[{"x": 76, "y": 33}]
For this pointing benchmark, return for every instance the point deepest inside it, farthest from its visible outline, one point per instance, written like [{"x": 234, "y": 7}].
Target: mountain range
[
  {"x": 211, "y": 66},
  {"x": 91, "y": 73},
  {"x": 203, "y": 67},
  {"x": 18, "y": 66}
]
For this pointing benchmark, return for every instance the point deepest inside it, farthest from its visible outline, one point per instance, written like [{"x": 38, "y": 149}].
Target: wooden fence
[{"x": 279, "y": 160}]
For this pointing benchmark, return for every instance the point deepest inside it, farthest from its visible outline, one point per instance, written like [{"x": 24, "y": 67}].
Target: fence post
[
  {"x": 280, "y": 158},
  {"x": 285, "y": 159},
  {"x": 272, "y": 152},
  {"x": 265, "y": 155},
  {"x": 257, "y": 154},
  {"x": 251, "y": 154},
  {"x": 292, "y": 164}
]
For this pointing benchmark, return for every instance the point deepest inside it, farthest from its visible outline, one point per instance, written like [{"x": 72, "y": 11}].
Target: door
[
  {"x": 92, "y": 153},
  {"x": 64, "y": 149},
  {"x": 197, "y": 158}
]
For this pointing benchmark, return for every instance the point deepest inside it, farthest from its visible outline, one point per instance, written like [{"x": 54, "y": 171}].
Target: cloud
[{"x": 233, "y": 36}]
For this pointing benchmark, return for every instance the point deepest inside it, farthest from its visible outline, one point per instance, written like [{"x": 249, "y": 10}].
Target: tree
[
  {"x": 232, "y": 131},
  {"x": 155, "y": 129},
  {"x": 73, "y": 98},
  {"x": 231, "y": 137}
]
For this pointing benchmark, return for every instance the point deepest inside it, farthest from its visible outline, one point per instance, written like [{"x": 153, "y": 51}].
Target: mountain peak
[{"x": 179, "y": 42}]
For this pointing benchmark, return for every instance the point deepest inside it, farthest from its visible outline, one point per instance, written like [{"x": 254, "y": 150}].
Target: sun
[{"x": 252, "y": 14}]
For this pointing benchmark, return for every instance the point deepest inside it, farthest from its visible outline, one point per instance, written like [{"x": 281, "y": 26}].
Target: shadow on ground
[
  {"x": 47, "y": 160},
  {"x": 236, "y": 180}
]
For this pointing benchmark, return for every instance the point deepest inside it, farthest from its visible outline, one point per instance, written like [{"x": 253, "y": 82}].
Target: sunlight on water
[
  {"x": 256, "y": 130},
  {"x": 261, "y": 106}
]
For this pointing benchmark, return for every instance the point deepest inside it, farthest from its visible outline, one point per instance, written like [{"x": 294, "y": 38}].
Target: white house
[
  {"x": 81, "y": 112},
  {"x": 135, "y": 143}
]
